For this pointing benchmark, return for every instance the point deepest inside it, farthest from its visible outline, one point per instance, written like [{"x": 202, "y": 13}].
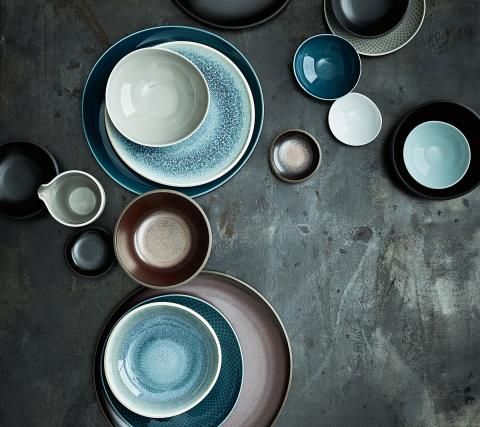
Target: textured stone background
[{"x": 379, "y": 291}]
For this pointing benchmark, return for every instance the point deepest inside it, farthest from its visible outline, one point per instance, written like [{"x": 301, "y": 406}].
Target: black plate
[
  {"x": 457, "y": 115},
  {"x": 89, "y": 252},
  {"x": 232, "y": 14},
  {"x": 23, "y": 168},
  {"x": 369, "y": 18}
]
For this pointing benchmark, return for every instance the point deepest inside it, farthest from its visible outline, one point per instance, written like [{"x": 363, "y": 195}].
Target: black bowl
[
  {"x": 460, "y": 116},
  {"x": 23, "y": 168},
  {"x": 89, "y": 252},
  {"x": 369, "y": 18}
]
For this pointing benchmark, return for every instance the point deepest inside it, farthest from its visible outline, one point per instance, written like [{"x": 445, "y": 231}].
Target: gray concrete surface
[{"x": 379, "y": 291}]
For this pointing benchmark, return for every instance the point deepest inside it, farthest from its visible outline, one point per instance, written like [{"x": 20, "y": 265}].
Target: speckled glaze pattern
[
  {"x": 218, "y": 404},
  {"x": 388, "y": 43},
  {"x": 220, "y": 141},
  {"x": 162, "y": 359}
]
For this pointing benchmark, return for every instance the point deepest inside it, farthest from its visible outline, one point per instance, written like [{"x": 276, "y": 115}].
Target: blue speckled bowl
[
  {"x": 220, "y": 141},
  {"x": 162, "y": 359},
  {"x": 93, "y": 113},
  {"x": 211, "y": 411},
  {"x": 327, "y": 66}
]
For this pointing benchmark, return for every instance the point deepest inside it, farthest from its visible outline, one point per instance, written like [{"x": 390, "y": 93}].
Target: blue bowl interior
[
  {"x": 218, "y": 404},
  {"x": 327, "y": 66},
  {"x": 93, "y": 104},
  {"x": 436, "y": 154}
]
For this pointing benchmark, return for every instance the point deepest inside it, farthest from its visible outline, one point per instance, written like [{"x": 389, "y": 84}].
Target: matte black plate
[
  {"x": 89, "y": 252},
  {"x": 23, "y": 168},
  {"x": 457, "y": 115},
  {"x": 232, "y": 14},
  {"x": 369, "y": 18}
]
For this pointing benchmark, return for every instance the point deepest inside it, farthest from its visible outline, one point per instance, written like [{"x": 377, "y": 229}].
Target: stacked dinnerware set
[{"x": 172, "y": 113}]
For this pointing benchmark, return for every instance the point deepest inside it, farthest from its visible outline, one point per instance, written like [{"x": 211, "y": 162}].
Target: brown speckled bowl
[{"x": 162, "y": 239}]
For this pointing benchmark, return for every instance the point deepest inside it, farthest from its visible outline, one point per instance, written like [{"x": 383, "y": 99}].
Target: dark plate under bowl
[
  {"x": 369, "y": 18},
  {"x": 24, "y": 167},
  {"x": 89, "y": 252},
  {"x": 232, "y": 14},
  {"x": 460, "y": 116}
]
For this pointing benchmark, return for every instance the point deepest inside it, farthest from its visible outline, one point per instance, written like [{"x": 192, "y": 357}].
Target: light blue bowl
[
  {"x": 162, "y": 359},
  {"x": 436, "y": 154},
  {"x": 327, "y": 66}
]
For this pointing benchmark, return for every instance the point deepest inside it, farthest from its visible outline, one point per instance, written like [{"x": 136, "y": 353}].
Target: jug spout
[{"x": 43, "y": 192}]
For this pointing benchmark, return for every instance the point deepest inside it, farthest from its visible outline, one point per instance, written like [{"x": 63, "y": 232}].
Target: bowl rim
[
  {"x": 336, "y": 8},
  {"x": 179, "y": 307},
  {"x": 158, "y": 51},
  {"x": 394, "y": 142},
  {"x": 273, "y": 166},
  {"x": 147, "y": 194},
  {"x": 460, "y": 135},
  {"x": 328, "y": 35},
  {"x": 369, "y": 101}
]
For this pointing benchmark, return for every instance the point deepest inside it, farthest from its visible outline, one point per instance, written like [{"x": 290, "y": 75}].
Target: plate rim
[
  {"x": 146, "y": 185},
  {"x": 238, "y": 156}
]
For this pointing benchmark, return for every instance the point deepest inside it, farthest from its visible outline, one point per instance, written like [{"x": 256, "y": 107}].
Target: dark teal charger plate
[
  {"x": 218, "y": 404},
  {"x": 93, "y": 104}
]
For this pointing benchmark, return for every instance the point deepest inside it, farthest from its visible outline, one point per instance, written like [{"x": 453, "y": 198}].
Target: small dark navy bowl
[
  {"x": 89, "y": 252},
  {"x": 327, "y": 66}
]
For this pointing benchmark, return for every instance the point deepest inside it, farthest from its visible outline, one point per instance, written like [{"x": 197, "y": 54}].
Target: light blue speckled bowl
[
  {"x": 220, "y": 142},
  {"x": 436, "y": 154},
  {"x": 162, "y": 359}
]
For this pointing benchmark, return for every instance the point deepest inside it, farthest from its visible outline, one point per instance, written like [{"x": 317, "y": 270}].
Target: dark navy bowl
[
  {"x": 93, "y": 104},
  {"x": 327, "y": 66}
]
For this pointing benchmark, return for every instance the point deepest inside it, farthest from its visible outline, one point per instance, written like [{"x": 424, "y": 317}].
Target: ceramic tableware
[
  {"x": 465, "y": 120},
  {"x": 162, "y": 239},
  {"x": 295, "y": 156},
  {"x": 89, "y": 252},
  {"x": 354, "y": 119},
  {"x": 23, "y": 168},
  {"x": 161, "y": 359},
  {"x": 215, "y": 407},
  {"x": 369, "y": 18},
  {"x": 93, "y": 113},
  {"x": 327, "y": 66},
  {"x": 388, "y": 43},
  {"x": 156, "y": 97},
  {"x": 220, "y": 142},
  {"x": 265, "y": 347},
  {"x": 73, "y": 198},
  {"x": 232, "y": 14},
  {"x": 436, "y": 154}
]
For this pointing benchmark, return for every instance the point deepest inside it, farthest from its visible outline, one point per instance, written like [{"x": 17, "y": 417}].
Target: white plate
[
  {"x": 156, "y": 97},
  {"x": 354, "y": 119}
]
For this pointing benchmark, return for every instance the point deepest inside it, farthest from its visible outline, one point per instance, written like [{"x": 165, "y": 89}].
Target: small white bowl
[
  {"x": 156, "y": 97},
  {"x": 354, "y": 119}
]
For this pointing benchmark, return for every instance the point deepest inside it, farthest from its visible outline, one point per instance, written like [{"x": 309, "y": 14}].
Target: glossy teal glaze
[
  {"x": 93, "y": 106},
  {"x": 436, "y": 154},
  {"x": 327, "y": 66},
  {"x": 215, "y": 408},
  {"x": 217, "y": 145}
]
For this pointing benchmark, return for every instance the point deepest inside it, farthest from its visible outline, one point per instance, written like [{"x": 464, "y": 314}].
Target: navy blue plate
[
  {"x": 218, "y": 404},
  {"x": 93, "y": 104},
  {"x": 327, "y": 66}
]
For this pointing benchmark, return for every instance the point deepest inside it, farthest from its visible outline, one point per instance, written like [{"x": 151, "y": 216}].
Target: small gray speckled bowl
[{"x": 295, "y": 156}]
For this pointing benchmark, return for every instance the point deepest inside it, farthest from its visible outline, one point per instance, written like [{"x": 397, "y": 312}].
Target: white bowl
[
  {"x": 156, "y": 97},
  {"x": 354, "y": 119},
  {"x": 161, "y": 359}
]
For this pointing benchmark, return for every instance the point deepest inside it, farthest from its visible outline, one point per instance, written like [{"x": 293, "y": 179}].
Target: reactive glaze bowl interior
[
  {"x": 327, "y": 66},
  {"x": 156, "y": 97},
  {"x": 162, "y": 238},
  {"x": 161, "y": 359}
]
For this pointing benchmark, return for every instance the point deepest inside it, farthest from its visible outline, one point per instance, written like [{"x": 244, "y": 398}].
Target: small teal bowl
[
  {"x": 162, "y": 359},
  {"x": 436, "y": 154},
  {"x": 327, "y": 67}
]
